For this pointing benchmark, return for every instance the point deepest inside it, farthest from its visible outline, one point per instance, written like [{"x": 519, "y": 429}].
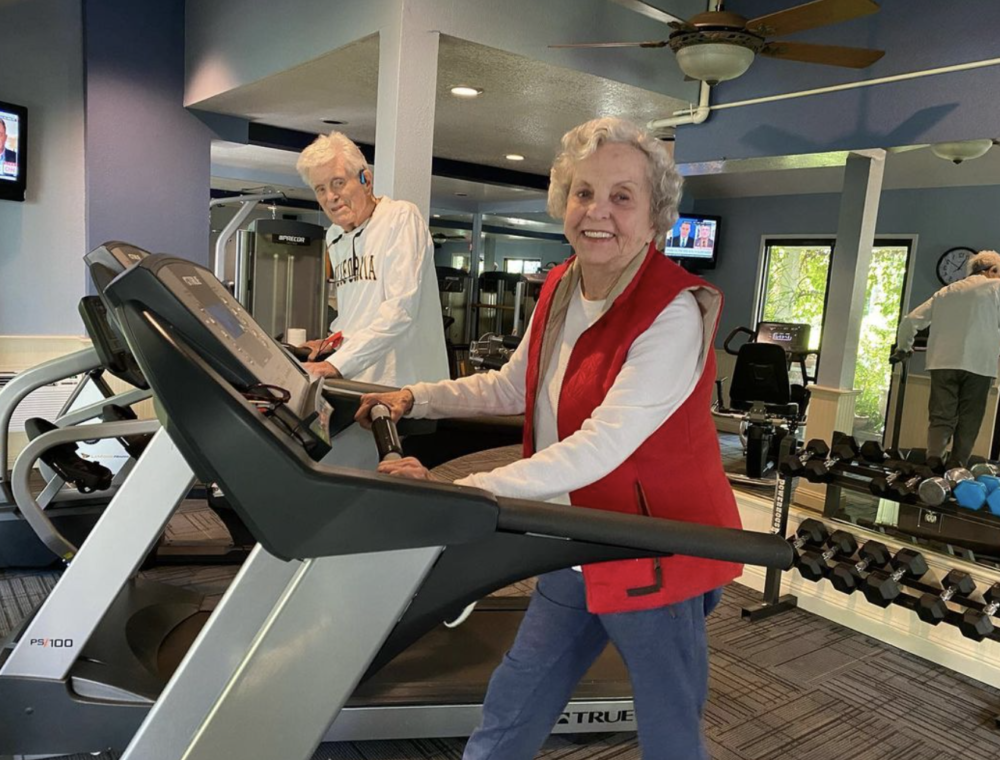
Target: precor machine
[
  {"x": 279, "y": 271},
  {"x": 352, "y": 568}
]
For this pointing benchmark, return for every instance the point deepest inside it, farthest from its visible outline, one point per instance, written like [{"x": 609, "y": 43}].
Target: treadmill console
[
  {"x": 214, "y": 306},
  {"x": 794, "y": 338},
  {"x": 111, "y": 259}
]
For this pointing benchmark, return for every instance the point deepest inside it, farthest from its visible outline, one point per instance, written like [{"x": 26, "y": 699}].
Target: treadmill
[
  {"x": 73, "y": 510},
  {"x": 369, "y": 564},
  {"x": 351, "y": 569}
]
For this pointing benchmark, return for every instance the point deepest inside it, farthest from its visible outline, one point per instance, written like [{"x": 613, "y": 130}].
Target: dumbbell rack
[{"x": 773, "y": 602}]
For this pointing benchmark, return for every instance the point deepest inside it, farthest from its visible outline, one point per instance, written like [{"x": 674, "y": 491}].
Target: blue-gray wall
[
  {"x": 147, "y": 158},
  {"x": 41, "y": 240},
  {"x": 941, "y": 218},
  {"x": 916, "y": 35}
]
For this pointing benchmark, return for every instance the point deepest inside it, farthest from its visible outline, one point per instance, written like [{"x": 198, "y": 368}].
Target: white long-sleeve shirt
[
  {"x": 388, "y": 306},
  {"x": 966, "y": 326},
  {"x": 657, "y": 377}
]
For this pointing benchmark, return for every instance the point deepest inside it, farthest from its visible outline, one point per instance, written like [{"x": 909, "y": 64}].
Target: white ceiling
[{"x": 525, "y": 108}]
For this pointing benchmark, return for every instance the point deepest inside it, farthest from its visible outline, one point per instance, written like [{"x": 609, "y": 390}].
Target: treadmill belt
[{"x": 451, "y": 666}]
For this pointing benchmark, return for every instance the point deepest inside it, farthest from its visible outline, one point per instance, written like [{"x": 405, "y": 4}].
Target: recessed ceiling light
[
  {"x": 333, "y": 122},
  {"x": 514, "y": 157},
  {"x": 436, "y": 216},
  {"x": 465, "y": 91}
]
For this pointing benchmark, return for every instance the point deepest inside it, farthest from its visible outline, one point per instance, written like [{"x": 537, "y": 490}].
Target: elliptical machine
[{"x": 770, "y": 408}]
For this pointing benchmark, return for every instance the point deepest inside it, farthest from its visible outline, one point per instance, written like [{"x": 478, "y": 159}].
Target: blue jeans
[{"x": 665, "y": 650}]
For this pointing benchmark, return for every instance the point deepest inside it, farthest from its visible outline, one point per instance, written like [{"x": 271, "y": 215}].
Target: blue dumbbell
[
  {"x": 987, "y": 475},
  {"x": 958, "y": 482}
]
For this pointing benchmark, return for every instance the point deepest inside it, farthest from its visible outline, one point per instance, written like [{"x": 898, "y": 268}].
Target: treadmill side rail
[
  {"x": 307, "y": 657},
  {"x": 107, "y": 559}
]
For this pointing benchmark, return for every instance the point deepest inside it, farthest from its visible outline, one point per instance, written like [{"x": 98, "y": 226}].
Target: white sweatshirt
[
  {"x": 657, "y": 377},
  {"x": 388, "y": 306},
  {"x": 966, "y": 326}
]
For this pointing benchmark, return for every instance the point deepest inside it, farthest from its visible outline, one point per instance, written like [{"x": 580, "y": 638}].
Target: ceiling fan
[{"x": 718, "y": 45}]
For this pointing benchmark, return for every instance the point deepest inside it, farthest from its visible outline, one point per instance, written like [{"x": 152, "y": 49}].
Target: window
[
  {"x": 522, "y": 266},
  {"x": 794, "y": 287}
]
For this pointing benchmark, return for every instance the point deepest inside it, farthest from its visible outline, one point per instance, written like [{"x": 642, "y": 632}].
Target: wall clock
[{"x": 951, "y": 267}]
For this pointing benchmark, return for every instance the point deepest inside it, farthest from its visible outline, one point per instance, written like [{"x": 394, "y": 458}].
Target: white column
[
  {"x": 404, "y": 123},
  {"x": 849, "y": 265}
]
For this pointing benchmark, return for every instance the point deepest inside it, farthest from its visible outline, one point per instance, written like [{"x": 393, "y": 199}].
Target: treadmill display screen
[
  {"x": 225, "y": 318},
  {"x": 221, "y": 313}
]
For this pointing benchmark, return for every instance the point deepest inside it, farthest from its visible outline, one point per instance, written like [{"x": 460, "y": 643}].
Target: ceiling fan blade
[
  {"x": 810, "y": 16},
  {"x": 649, "y": 11},
  {"x": 650, "y": 44},
  {"x": 829, "y": 55}
]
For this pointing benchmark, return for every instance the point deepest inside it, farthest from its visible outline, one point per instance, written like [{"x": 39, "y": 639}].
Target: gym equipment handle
[
  {"x": 652, "y": 534},
  {"x": 386, "y": 436}
]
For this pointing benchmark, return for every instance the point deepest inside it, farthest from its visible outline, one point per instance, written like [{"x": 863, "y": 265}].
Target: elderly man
[
  {"x": 382, "y": 261},
  {"x": 961, "y": 354}
]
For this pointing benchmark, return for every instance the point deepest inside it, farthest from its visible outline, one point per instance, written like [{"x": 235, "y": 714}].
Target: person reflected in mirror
[
  {"x": 388, "y": 328},
  {"x": 962, "y": 353},
  {"x": 614, "y": 378}
]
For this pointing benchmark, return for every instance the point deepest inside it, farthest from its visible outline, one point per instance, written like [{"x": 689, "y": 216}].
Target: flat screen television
[
  {"x": 694, "y": 240},
  {"x": 13, "y": 151}
]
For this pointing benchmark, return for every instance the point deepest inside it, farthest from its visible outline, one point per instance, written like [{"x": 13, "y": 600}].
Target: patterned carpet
[{"x": 794, "y": 687}]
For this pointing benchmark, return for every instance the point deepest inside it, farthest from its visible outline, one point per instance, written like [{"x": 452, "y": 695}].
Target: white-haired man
[
  {"x": 382, "y": 262},
  {"x": 962, "y": 354}
]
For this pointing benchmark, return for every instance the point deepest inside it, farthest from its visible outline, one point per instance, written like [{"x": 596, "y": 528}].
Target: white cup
[{"x": 295, "y": 336}]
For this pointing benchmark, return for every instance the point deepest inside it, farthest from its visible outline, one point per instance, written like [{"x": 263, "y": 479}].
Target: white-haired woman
[
  {"x": 615, "y": 380},
  {"x": 382, "y": 262},
  {"x": 961, "y": 355}
]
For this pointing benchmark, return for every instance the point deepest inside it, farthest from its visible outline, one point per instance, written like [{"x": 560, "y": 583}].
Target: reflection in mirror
[{"x": 934, "y": 199}]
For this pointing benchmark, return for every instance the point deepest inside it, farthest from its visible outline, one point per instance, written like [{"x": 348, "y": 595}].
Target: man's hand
[
  {"x": 323, "y": 369},
  {"x": 899, "y": 355},
  {"x": 399, "y": 403},
  {"x": 314, "y": 347},
  {"x": 408, "y": 467}
]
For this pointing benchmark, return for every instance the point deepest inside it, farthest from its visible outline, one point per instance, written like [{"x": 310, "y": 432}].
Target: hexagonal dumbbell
[
  {"x": 809, "y": 533},
  {"x": 846, "y": 578},
  {"x": 813, "y": 565},
  {"x": 872, "y": 452},
  {"x": 907, "y": 487},
  {"x": 896, "y": 469},
  {"x": 820, "y": 470},
  {"x": 933, "y": 608},
  {"x": 794, "y": 465},
  {"x": 978, "y": 625},
  {"x": 881, "y": 588},
  {"x": 958, "y": 482}
]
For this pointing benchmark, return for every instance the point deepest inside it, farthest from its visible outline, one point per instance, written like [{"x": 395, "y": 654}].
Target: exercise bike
[{"x": 770, "y": 408}]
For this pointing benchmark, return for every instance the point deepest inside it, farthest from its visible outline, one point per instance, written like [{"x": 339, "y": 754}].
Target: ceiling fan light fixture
[
  {"x": 963, "y": 150},
  {"x": 714, "y": 62}
]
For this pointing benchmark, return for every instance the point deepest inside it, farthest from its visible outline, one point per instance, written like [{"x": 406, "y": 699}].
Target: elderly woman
[{"x": 614, "y": 379}]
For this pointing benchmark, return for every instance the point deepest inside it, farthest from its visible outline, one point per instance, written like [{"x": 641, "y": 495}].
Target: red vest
[{"x": 677, "y": 471}]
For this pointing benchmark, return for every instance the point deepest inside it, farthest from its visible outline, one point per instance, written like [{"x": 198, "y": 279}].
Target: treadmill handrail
[
  {"x": 649, "y": 533},
  {"x": 33, "y": 513},
  {"x": 92, "y": 411},
  {"x": 46, "y": 373}
]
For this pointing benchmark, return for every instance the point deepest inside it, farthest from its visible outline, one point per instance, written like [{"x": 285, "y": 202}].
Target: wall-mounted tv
[
  {"x": 695, "y": 240},
  {"x": 13, "y": 151}
]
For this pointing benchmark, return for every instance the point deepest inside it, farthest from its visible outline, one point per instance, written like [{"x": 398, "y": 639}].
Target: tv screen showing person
[
  {"x": 693, "y": 237},
  {"x": 8, "y": 146}
]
